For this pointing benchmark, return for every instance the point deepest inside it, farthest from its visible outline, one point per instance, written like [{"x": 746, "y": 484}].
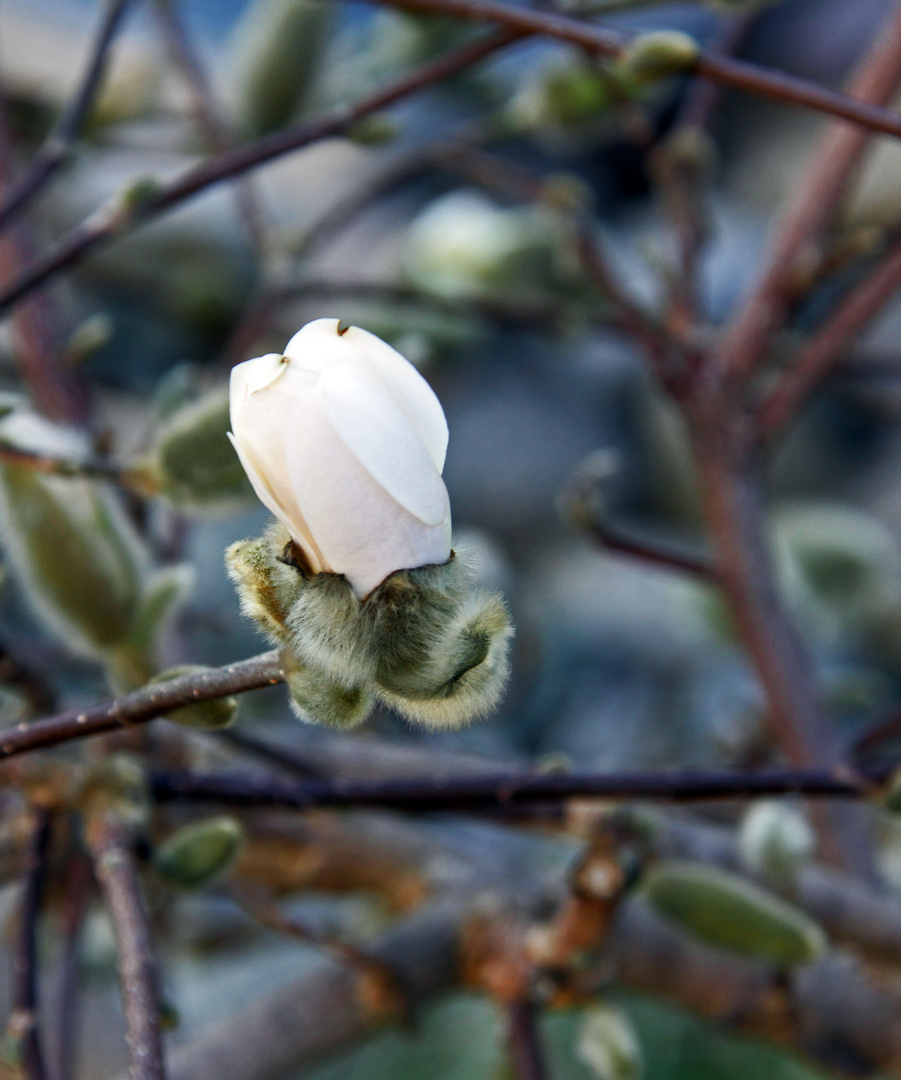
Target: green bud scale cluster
[{"x": 427, "y": 642}]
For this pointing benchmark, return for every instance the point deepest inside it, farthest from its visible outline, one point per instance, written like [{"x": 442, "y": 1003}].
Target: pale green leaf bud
[
  {"x": 191, "y": 463},
  {"x": 775, "y": 840},
  {"x": 660, "y": 54},
  {"x": 89, "y": 337},
  {"x": 71, "y": 545},
  {"x": 277, "y": 50},
  {"x": 373, "y": 130},
  {"x": 208, "y": 715},
  {"x": 608, "y": 1044},
  {"x": 724, "y": 910},
  {"x": 198, "y": 854}
]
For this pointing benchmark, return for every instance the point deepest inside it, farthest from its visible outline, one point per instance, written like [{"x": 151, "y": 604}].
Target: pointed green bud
[
  {"x": 724, "y": 910},
  {"x": 660, "y": 54},
  {"x": 373, "y": 130},
  {"x": 608, "y": 1044},
  {"x": 775, "y": 840},
  {"x": 196, "y": 855},
  {"x": 134, "y": 198},
  {"x": 72, "y": 547},
  {"x": 209, "y": 715},
  {"x": 191, "y": 462},
  {"x": 277, "y": 56},
  {"x": 88, "y": 338}
]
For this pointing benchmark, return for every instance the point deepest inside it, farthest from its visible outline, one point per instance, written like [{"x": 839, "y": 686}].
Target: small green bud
[
  {"x": 194, "y": 856},
  {"x": 209, "y": 715},
  {"x": 191, "y": 463},
  {"x": 88, "y": 338},
  {"x": 136, "y": 196},
  {"x": 660, "y": 54},
  {"x": 775, "y": 840},
  {"x": 277, "y": 54},
  {"x": 373, "y": 130},
  {"x": 608, "y": 1044},
  {"x": 691, "y": 150},
  {"x": 730, "y": 913}
]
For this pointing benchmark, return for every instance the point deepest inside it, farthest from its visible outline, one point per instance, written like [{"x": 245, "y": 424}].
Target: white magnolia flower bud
[{"x": 344, "y": 441}]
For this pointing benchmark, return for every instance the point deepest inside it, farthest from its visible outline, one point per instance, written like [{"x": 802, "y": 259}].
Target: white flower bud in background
[
  {"x": 775, "y": 840},
  {"x": 464, "y": 246},
  {"x": 344, "y": 442}
]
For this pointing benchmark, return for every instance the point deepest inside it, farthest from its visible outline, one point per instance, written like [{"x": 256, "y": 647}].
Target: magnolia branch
[
  {"x": 829, "y": 174},
  {"x": 723, "y": 69},
  {"x": 510, "y": 790},
  {"x": 60, "y": 143},
  {"x": 110, "y": 846},
  {"x": 116, "y": 220},
  {"x": 23, "y": 1028},
  {"x": 143, "y": 705}
]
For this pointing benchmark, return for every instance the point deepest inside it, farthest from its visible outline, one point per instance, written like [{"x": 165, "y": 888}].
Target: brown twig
[
  {"x": 143, "y": 705},
  {"x": 78, "y": 892},
  {"x": 23, "y": 1025},
  {"x": 830, "y": 172},
  {"x": 60, "y": 143},
  {"x": 524, "y": 1041},
  {"x": 723, "y": 69},
  {"x": 110, "y": 845},
  {"x": 56, "y": 466},
  {"x": 827, "y": 346},
  {"x": 114, "y": 222},
  {"x": 208, "y": 116},
  {"x": 512, "y": 789}
]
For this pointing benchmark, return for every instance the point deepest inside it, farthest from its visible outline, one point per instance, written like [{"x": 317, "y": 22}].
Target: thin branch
[
  {"x": 524, "y": 1042},
  {"x": 58, "y": 147},
  {"x": 23, "y": 1022},
  {"x": 515, "y": 789},
  {"x": 828, "y": 177},
  {"x": 278, "y": 756},
  {"x": 875, "y": 734},
  {"x": 57, "y": 466},
  {"x": 66, "y": 1013},
  {"x": 828, "y": 345},
  {"x": 113, "y": 221},
  {"x": 786, "y": 89},
  {"x": 613, "y": 538},
  {"x": 110, "y": 844},
  {"x": 208, "y": 117},
  {"x": 143, "y": 705}
]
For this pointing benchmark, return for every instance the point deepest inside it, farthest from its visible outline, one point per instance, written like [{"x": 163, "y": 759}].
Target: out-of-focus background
[{"x": 617, "y": 664}]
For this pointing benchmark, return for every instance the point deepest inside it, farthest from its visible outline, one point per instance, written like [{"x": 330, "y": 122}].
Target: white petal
[
  {"x": 254, "y": 375},
  {"x": 408, "y": 388},
  {"x": 378, "y": 433},
  {"x": 318, "y": 345},
  {"x": 289, "y": 516},
  {"x": 361, "y": 530}
]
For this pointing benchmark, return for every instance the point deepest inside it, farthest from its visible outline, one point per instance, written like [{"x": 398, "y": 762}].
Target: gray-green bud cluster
[
  {"x": 427, "y": 642},
  {"x": 608, "y": 1044}
]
